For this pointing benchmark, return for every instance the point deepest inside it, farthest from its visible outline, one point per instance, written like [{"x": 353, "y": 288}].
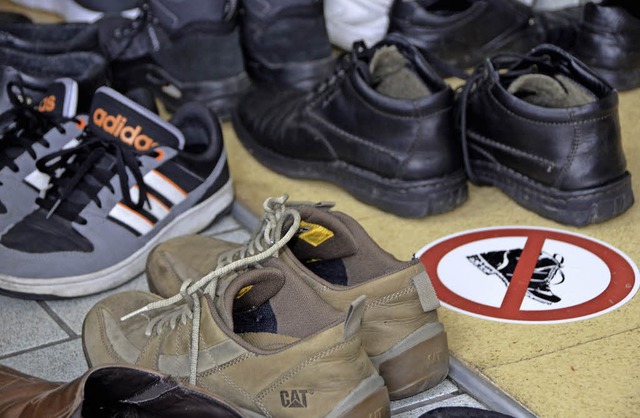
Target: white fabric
[
  {"x": 69, "y": 9},
  {"x": 353, "y": 20}
]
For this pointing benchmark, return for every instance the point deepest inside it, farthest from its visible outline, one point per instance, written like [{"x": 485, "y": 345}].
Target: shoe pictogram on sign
[{"x": 529, "y": 275}]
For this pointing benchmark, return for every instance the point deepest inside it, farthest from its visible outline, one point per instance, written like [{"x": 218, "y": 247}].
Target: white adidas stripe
[
  {"x": 154, "y": 206},
  {"x": 163, "y": 186},
  {"x": 168, "y": 189},
  {"x": 40, "y": 180},
  {"x": 131, "y": 218}
]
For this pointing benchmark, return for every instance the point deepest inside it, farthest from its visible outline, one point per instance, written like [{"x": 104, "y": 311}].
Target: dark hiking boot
[
  {"x": 183, "y": 50},
  {"x": 286, "y": 42}
]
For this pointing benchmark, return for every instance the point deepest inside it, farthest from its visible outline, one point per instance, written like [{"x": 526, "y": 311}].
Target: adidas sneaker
[
  {"x": 334, "y": 255},
  {"x": 35, "y": 119},
  {"x": 264, "y": 341},
  {"x": 132, "y": 181}
]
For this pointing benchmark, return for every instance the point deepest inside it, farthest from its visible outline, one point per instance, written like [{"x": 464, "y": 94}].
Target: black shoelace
[
  {"x": 510, "y": 67},
  {"x": 25, "y": 127},
  {"x": 79, "y": 173}
]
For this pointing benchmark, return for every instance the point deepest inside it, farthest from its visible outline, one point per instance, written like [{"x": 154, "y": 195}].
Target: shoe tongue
[
  {"x": 115, "y": 116},
  {"x": 60, "y": 99},
  {"x": 322, "y": 236},
  {"x": 554, "y": 92},
  {"x": 246, "y": 292}
]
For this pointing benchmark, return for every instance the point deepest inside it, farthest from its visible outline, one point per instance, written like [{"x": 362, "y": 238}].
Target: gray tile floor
[{"x": 42, "y": 338}]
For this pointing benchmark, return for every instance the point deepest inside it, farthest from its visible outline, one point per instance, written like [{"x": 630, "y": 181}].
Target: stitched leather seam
[
  {"x": 494, "y": 175},
  {"x": 391, "y": 296},
  {"x": 572, "y": 152},
  {"x": 489, "y": 142}
]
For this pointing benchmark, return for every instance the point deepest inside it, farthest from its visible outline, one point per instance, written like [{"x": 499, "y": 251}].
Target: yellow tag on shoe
[
  {"x": 244, "y": 291},
  {"x": 314, "y": 234}
]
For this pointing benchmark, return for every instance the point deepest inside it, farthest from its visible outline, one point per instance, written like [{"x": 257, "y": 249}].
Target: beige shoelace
[{"x": 266, "y": 243}]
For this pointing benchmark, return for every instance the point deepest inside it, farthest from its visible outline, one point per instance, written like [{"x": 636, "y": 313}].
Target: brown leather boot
[{"x": 110, "y": 391}]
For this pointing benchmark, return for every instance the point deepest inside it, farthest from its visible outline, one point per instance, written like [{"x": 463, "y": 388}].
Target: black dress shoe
[
  {"x": 381, "y": 127},
  {"x": 463, "y": 32},
  {"x": 609, "y": 41},
  {"x": 544, "y": 129}
]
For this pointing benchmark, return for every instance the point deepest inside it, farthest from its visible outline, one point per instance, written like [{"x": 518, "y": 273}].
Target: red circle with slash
[{"x": 529, "y": 274}]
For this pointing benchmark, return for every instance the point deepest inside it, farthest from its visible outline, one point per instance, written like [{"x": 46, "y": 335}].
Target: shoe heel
[
  {"x": 376, "y": 405},
  {"x": 417, "y": 368}
]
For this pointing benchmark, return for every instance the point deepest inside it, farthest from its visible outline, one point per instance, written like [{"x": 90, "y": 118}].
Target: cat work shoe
[
  {"x": 334, "y": 255},
  {"x": 107, "y": 392},
  {"x": 286, "y": 42},
  {"x": 381, "y": 127},
  {"x": 264, "y": 341},
  {"x": 544, "y": 129},
  {"x": 132, "y": 181},
  {"x": 184, "y": 51},
  {"x": 36, "y": 119},
  {"x": 609, "y": 42}
]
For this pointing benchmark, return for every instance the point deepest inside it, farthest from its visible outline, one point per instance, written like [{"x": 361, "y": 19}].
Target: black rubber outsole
[
  {"x": 575, "y": 208},
  {"x": 408, "y": 199}
]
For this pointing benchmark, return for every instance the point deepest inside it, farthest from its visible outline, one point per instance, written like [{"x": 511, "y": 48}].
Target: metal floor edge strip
[{"x": 469, "y": 381}]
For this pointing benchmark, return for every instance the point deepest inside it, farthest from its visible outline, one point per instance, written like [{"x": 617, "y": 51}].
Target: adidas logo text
[
  {"x": 47, "y": 104},
  {"x": 117, "y": 126},
  {"x": 296, "y": 398}
]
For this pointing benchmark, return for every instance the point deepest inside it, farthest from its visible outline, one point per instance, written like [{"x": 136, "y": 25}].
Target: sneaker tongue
[
  {"x": 60, "y": 98},
  {"x": 115, "y": 116},
  {"x": 322, "y": 236}
]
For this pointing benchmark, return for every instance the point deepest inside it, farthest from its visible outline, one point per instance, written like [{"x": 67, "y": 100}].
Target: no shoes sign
[{"x": 529, "y": 275}]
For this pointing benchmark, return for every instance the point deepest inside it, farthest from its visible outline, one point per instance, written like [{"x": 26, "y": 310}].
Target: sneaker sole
[
  {"x": 221, "y": 96},
  {"x": 410, "y": 199},
  {"x": 576, "y": 208},
  {"x": 417, "y": 363},
  {"x": 192, "y": 221}
]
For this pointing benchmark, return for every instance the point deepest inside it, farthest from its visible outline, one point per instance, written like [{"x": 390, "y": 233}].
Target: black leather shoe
[
  {"x": 286, "y": 42},
  {"x": 609, "y": 41},
  {"x": 381, "y": 127},
  {"x": 544, "y": 129},
  {"x": 464, "y": 32}
]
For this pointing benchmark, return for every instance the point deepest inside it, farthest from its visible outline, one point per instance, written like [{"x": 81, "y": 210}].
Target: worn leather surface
[
  {"x": 104, "y": 389},
  {"x": 609, "y": 37},
  {"x": 568, "y": 149},
  {"x": 349, "y": 121}
]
